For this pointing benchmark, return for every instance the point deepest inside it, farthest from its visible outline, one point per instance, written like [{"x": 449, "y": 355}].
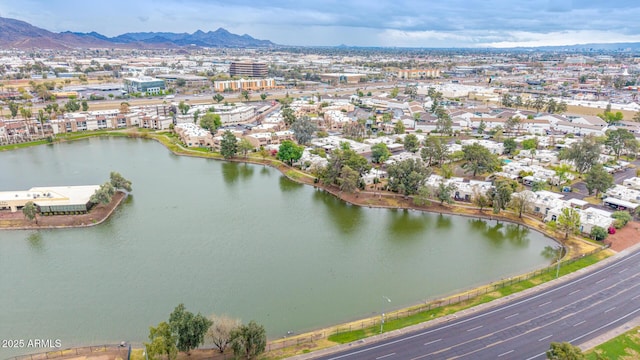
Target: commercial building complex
[
  {"x": 248, "y": 69},
  {"x": 50, "y": 199},
  {"x": 144, "y": 84},
  {"x": 244, "y": 84}
]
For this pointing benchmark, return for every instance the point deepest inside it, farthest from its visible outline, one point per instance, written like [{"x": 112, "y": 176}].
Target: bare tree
[{"x": 220, "y": 331}]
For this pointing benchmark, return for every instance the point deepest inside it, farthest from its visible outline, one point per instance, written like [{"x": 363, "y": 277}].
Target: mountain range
[{"x": 22, "y": 35}]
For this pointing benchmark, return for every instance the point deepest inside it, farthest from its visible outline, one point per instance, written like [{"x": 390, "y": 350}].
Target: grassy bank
[
  {"x": 395, "y": 321},
  {"x": 625, "y": 346}
]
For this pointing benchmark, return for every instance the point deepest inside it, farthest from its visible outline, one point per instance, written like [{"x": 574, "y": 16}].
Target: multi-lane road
[{"x": 576, "y": 311}]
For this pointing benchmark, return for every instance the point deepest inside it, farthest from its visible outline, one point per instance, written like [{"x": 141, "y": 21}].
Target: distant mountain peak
[{"x": 19, "y": 34}]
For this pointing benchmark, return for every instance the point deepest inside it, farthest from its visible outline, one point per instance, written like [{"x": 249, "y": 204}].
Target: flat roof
[{"x": 52, "y": 195}]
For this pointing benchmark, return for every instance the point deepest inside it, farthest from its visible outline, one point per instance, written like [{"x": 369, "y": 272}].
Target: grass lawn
[
  {"x": 400, "y": 322},
  {"x": 625, "y": 346}
]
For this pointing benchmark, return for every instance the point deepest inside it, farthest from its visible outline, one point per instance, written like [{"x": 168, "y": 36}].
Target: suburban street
[{"x": 577, "y": 310}]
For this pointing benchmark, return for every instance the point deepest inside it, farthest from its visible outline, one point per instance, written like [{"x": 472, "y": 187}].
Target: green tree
[
  {"x": 380, "y": 153},
  {"x": 598, "y": 233},
  {"x": 220, "y": 331},
  {"x": 263, "y": 96},
  {"x": 72, "y": 105},
  {"x": 303, "y": 129},
  {"x": 583, "y": 154},
  {"x": 249, "y": 340},
  {"x": 183, "y": 107},
  {"x": 501, "y": 193},
  {"x": 480, "y": 199},
  {"x": 622, "y": 218},
  {"x": 620, "y": 140},
  {"x": 196, "y": 114},
  {"x": 245, "y": 95},
  {"x": 398, "y": 128},
  {"x": 562, "y": 172},
  {"x": 564, "y": 351},
  {"x": 510, "y": 146},
  {"x": 348, "y": 179},
  {"x": 119, "y": 182},
  {"x": 444, "y": 192},
  {"x": 228, "y": 145},
  {"x": 103, "y": 194},
  {"x": 538, "y": 185},
  {"x": 478, "y": 159},
  {"x": 482, "y": 127},
  {"x": 530, "y": 144},
  {"x": 406, "y": 176},
  {"x": 30, "y": 211},
  {"x": 394, "y": 92},
  {"x": 434, "y": 151},
  {"x": 13, "y": 108},
  {"x": 244, "y": 146},
  {"x": 290, "y": 152},
  {"x": 288, "y": 115},
  {"x": 444, "y": 124},
  {"x": 339, "y": 158},
  {"x": 211, "y": 122},
  {"x": 521, "y": 202},
  {"x": 162, "y": 342},
  {"x": 569, "y": 221},
  {"x": 539, "y": 103},
  {"x": 422, "y": 196},
  {"x": 506, "y": 100},
  {"x": 218, "y": 98},
  {"x": 411, "y": 143},
  {"x": 85, "y": 106},
  {"x": 263, "y": 153},
  {"x": 598, "y": 179},
  {"x": 188, "y": 327}
]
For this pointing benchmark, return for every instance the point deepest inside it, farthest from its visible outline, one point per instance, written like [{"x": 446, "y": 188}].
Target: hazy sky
[{"x": 411, "y": 23}]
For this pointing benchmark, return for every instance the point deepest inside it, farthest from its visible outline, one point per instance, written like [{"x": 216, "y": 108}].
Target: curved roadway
[{"x": 578, "y": 310}]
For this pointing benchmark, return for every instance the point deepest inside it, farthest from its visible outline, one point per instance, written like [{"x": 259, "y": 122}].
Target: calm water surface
[{"x": 226, "y": 238}]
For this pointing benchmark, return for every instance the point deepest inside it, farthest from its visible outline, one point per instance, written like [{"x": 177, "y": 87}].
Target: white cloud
[{"x": 559, "y": 38}]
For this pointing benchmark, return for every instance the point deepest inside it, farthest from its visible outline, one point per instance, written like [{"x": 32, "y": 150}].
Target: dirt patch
[
  {"x": 99, "y": 213},
  {"x": 625, "y": 237}
]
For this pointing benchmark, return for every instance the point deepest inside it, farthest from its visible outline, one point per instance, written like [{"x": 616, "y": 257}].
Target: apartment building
[
  {"x": 244, "y": 84},
  {"x": 418, "y": 74}
]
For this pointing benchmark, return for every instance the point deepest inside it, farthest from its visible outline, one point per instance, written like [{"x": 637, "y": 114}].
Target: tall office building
[{"x": 249, "y": 69}]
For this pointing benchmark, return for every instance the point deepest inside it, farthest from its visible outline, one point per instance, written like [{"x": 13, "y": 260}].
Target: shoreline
[{"x": 575, "y": 246}]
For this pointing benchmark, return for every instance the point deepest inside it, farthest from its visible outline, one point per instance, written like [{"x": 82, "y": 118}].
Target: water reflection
[
  {"x": 403, "y": 222},
  {"x": 346, "y": 218},
  {"x": 516, "y": 234},
  {"x": 287, "y": 185},
  {"x": 231, "y": 172},
  {"x": 443, "y": 222},
  {"x": 35, "y": 241}
]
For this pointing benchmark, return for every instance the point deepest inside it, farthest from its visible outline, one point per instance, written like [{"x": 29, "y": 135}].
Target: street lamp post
[
  {"x": 382, "y": 314},
  {"x": 558, "y": 261}
]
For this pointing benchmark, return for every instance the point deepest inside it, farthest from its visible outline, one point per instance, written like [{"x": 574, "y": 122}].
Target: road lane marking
[
  {"x": 547, "y": 303},
  {"x": 573, "y": 292},
  {"x": 503, "y": 354},
  {"x": 580, "y": 323},
  {"x": 601, "y": 280},
  {"x": 623, "y": 270},
  {"x": 384, "y": 356},
  {"x": 604, "y": 269},
  {"x": 545, "y": 338},
  {"x": 512, "y": 315},
  {"x": 606, "y": 311},
  {"x": 475, "y": 328},
  {"x": 432, "y": 342},
  {"x": 635, "y": 297}
]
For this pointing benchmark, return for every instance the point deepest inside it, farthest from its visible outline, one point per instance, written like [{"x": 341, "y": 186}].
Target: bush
[
  {"x": 618, "y": 224},
  {"x": 622, "y": 218},
  {"x": 598, "y": 233}
]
